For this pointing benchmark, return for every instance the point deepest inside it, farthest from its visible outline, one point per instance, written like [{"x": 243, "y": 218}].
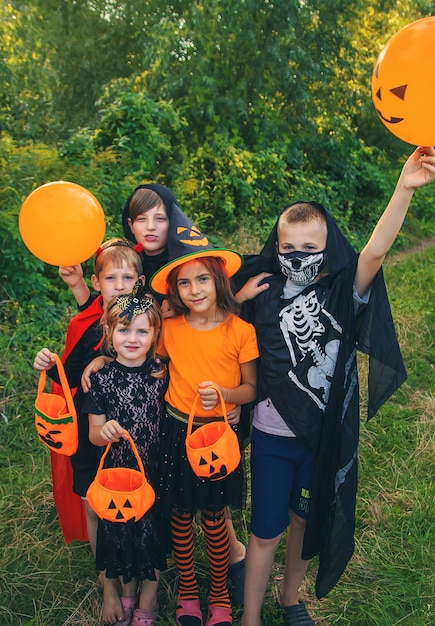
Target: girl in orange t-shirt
[{"x": 207, "y": 344}]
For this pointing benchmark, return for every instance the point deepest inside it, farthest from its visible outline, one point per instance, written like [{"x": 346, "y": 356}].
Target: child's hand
[
  {"x": 209, "y": 396},
  {"x": 72, "y": 275},
  {"x": 44, "y": 360},
  {"x": 112, "y": 432},
  {"x": 419, "y": 169},
  {"x": 94, "y": 366},
  {"x": 234, "y": 415},
  {"x": 252, "y": 288}
]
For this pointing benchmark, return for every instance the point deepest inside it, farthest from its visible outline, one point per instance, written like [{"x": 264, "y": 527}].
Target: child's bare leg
[
  {"x": 237, "y": 547},
  {"x": 112, "y": 607},
  {"x": 92, "y": 526},
  {"x": 128, "y": 590},
  {"x": 128, "y": 599},
  {"x": 295, "y": 566},
  {"x": 148, "y": 594},
  {"x": 259, "y": 560}
]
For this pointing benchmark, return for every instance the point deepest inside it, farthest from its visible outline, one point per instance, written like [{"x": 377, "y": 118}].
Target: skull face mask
[{"x": 302, "y": 268}]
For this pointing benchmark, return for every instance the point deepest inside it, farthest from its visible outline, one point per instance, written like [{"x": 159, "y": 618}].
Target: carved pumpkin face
[
  {"x": 211, "y": 466},
  {"x": 403, "y": 83},
  {"x": 213, "y": 451},
  {"x": 121, "y": 512},
  {"x": 192, "y": 236},
  {"x": 120, "y": 494},
  {"x": 59, "y": 433},
  {"x": 49, "y": 437}
]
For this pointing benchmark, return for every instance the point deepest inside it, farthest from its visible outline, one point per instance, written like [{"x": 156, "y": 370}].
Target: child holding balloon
[{"x": 319, "y": 303}]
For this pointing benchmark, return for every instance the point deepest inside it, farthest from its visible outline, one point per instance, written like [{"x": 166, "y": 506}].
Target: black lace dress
[{"x": 134, "y": 398}]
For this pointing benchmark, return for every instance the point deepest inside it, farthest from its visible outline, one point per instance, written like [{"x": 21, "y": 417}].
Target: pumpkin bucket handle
[
  {"x": 55, "y": 415},
  {"x": 192, "y": 410},
  {"x": 63, "y": 381},
  {"x": 213, "y": 449},
  {"x": 134, "y": 449}
]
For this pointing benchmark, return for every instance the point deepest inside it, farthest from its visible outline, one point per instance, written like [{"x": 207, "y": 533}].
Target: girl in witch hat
[{"x": 207, "y": 344}]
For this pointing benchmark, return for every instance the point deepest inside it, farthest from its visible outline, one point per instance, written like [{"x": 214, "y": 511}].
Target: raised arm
[
  {"x": 73, "y": 276},
  {"x": 419, "y": 170},
  {"x": 94, "y": 366}
]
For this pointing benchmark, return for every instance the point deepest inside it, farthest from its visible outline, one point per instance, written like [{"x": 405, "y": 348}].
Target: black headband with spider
[{"x": 135, "y": 303}]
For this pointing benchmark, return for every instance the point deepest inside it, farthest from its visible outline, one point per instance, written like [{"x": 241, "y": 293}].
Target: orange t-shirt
[{"x": 199, "y": 355}]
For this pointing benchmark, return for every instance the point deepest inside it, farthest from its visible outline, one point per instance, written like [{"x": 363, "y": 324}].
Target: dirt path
[{"x": 423, "y": 245}]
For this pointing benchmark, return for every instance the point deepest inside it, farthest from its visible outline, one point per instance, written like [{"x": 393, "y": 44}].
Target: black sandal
[
  {"x": 236, "y": 574},
  {"x": 296, "y": 615}
]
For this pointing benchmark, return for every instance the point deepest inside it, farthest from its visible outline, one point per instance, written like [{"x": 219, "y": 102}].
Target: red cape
[{"x": 69, "y": 506}]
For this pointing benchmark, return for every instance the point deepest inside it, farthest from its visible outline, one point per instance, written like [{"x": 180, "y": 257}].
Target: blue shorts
[{"x": 281, "y": 470}]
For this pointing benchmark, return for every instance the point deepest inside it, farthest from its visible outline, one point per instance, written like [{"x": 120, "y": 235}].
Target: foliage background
[{"x": 238, "y": 108}]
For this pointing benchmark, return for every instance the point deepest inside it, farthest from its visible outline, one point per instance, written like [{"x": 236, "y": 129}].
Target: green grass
[{"x": 390, "y": 580}]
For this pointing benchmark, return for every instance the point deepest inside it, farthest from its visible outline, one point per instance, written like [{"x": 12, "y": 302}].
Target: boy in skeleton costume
[{"x": 318, "y": 302}]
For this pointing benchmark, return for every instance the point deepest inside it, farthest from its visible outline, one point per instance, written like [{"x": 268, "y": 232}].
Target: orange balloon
[
  {"x": 62, "y": 223},
  {"x": 403, "y": 83}
]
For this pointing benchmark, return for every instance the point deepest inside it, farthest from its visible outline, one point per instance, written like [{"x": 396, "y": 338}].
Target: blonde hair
[
  {"x": 118, "y": 251},
  {"x": 112, "y": 317}
]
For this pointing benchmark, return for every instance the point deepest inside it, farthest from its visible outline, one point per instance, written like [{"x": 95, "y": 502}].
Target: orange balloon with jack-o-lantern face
[{"x": 403, "y": 83}]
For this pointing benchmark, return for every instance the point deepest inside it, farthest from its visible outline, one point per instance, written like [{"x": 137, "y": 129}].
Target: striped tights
[{"x": 218, "y": 550}]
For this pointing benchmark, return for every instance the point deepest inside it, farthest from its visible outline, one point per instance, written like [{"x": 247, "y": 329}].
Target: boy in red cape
[{"x": 117, "y": 267}]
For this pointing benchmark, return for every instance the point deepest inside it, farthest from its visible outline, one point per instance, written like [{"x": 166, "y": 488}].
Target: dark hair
[
  {"x": 143, "y": 200},
  {"x": 224, "y": 295}
]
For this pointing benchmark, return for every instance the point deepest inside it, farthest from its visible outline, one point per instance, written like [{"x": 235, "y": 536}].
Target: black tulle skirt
[{"x": 178, "y": 484}]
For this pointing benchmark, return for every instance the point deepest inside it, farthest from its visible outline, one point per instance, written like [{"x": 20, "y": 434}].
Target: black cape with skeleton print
[{"x": 308, "y": 368}]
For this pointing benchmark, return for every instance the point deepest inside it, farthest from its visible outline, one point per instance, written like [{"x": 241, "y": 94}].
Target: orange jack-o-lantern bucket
[
  {"x": 213, "y": 449},
  {"x": 55, "y": 415},
  {"x": 120, "y": 494}
]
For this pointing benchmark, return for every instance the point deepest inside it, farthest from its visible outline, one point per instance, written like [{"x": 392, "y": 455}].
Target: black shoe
[
  {"x": 296, "y": 615},
  {"x": 236, "y": 574}
]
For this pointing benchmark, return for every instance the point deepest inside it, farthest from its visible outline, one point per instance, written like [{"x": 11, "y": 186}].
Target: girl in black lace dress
[{"x": 128, "y": 394}]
